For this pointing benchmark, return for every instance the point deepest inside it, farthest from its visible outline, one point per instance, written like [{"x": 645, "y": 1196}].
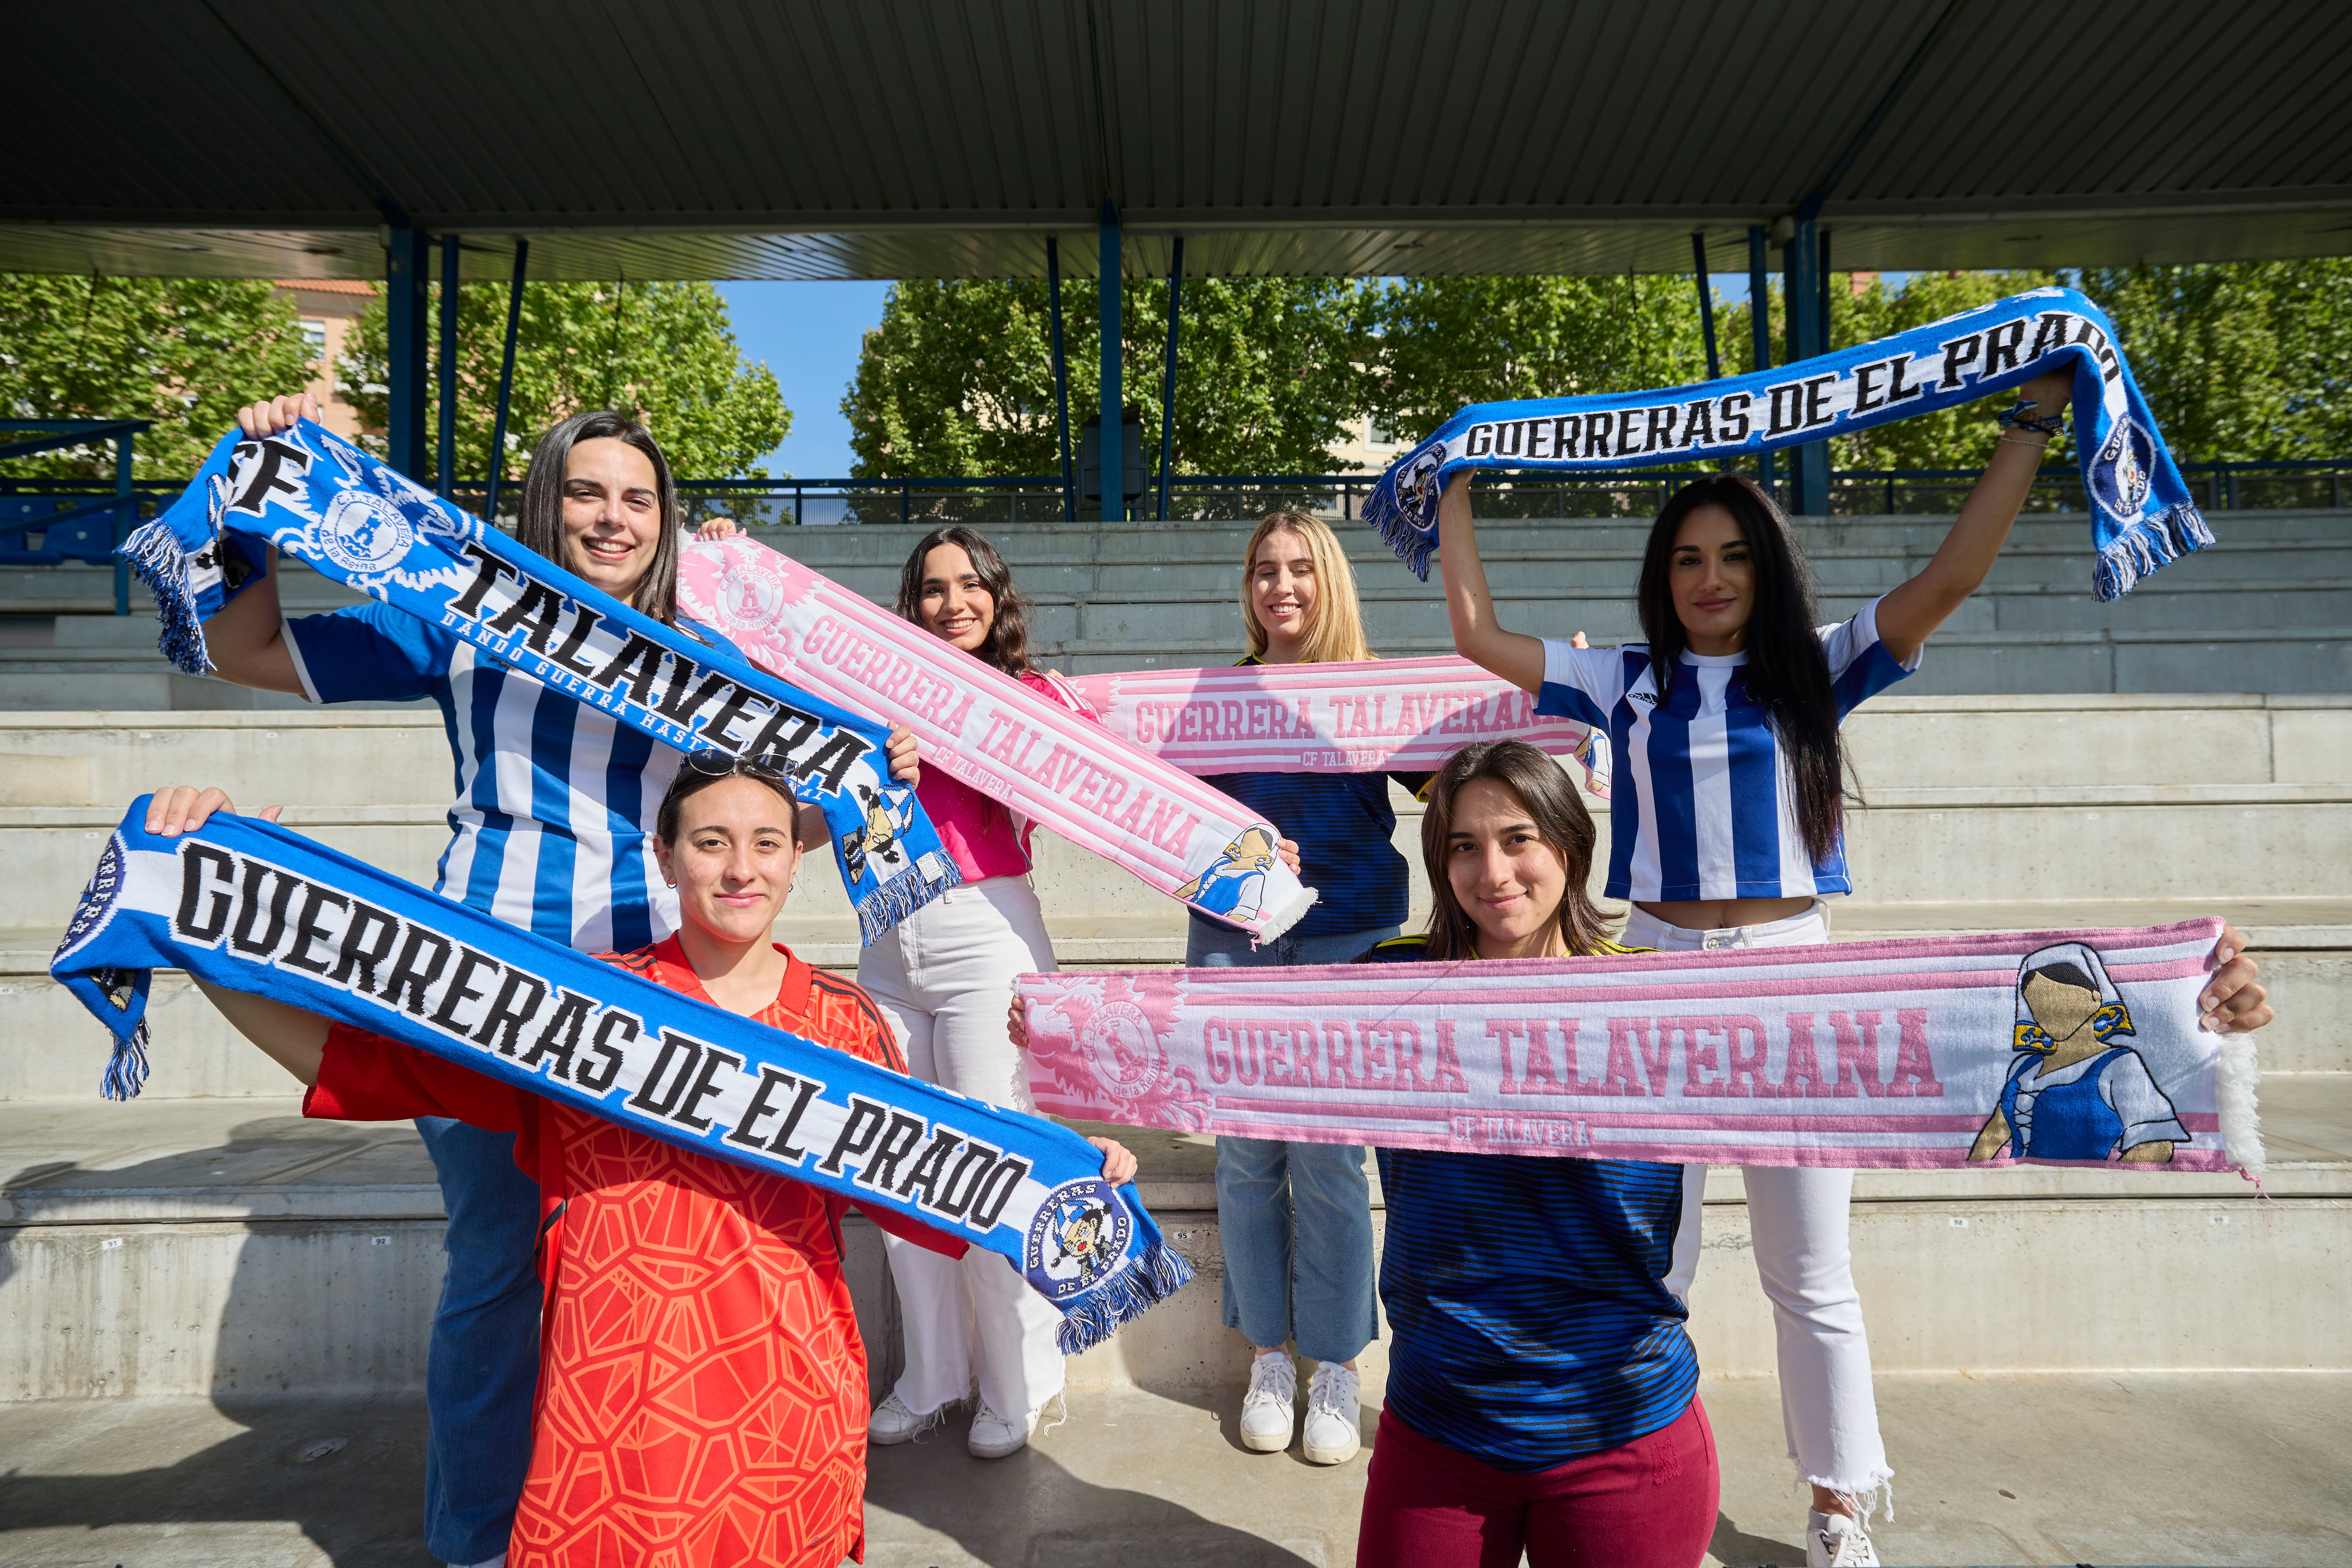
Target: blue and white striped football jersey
[
  {"x": 1703, "y": 805},
  {"x": 552, "y": 827}
]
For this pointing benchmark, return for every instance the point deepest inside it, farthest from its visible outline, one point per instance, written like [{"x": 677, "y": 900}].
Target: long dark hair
[
  {"x": 1007, "y": 646},
  {"x": 541, "y": 526},
  {"x": 1787, "y": 674},
  {"x": 1552, "y": 804}
]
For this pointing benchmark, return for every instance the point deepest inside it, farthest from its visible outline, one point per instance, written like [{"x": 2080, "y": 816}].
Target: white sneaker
[
  {"x": 1334, "y": 1431},
  {"x": 1835, "y": 1541},
  {"x": 994, "y": 1435},
  {"x": 1267, "y": 1408},
  {"x": 892, "y": 1422}
]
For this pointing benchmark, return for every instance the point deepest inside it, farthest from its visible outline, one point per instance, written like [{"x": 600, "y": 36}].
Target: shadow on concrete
[
  {"x": 347, "y": 1474},
  {"x": 1735, "y": 1548},
  {"x": 346, "y": 1471}
]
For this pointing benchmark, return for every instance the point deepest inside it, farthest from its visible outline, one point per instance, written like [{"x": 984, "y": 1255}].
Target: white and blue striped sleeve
[
  {"x": 1580, "y": 683},
  {"x": 1860, "y": 666},
  {"x": 367, "y": 653}
]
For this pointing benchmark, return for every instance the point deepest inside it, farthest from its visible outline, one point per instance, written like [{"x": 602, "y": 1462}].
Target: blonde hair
[{"x": 1335, "y": 626}]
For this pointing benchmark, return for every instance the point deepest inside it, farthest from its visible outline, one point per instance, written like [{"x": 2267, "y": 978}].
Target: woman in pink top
[{"x": 941, "y": 977}]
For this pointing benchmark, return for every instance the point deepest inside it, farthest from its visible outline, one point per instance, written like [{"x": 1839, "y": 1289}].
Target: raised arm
[
  {"x": 1514, "y": 656},
  {"x": 1911, "y": 612},
  {"x": 247, "y": 640}
]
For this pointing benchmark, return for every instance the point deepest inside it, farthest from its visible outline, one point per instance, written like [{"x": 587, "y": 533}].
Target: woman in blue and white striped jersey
[
  {"x": 1726, "y": 823},
  {"x": 552, "y": 829}
]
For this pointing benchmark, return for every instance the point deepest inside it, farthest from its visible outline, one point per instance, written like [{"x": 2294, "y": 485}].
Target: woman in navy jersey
[
  {"x": 1543, "y": 1394},
  {"x": 1726, "y": 819},
  {"x": 552, "y": 829},
  {"x": 1296, "y": 1218}
]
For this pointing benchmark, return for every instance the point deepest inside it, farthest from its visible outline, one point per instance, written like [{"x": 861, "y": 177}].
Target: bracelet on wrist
[
  {"x": 2041, "y": 445},
  {"x": 2018, "y": 418}
]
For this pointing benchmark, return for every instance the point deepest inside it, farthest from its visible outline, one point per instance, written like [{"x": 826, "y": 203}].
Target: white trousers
[
  {"x": 943, "y": 976},
  {"x": 1797, "y": 1215}
]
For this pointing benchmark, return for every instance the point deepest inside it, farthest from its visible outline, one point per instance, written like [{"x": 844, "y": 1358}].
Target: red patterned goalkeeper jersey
[{"x": 702, "y": 1396}]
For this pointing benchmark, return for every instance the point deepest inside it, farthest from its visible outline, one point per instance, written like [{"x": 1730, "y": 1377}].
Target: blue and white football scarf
[
  {"x": 249, "y": 906},
  {"x": 2141, "y": 517},
  {"x": 362, "y": 524}
]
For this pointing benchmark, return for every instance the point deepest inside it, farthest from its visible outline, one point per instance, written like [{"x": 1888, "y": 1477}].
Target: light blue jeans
[
  {"x": 482, "y": 1366},
  {"x": 1296, "y": 1218}
]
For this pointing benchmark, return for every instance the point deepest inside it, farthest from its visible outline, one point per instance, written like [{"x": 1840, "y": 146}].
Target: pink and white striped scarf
[
  {"x": 1049, "y": 764},
  {"x": 1912, "y": 1053},
  {"x": 1362, "y": 717}
]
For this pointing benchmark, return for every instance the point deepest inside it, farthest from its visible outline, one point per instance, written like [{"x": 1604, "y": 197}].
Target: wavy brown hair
[
  {"x": 541, "y": 526},
  {"x": 1007, "y": 646},
  {"x": 1552, "y": 803}
]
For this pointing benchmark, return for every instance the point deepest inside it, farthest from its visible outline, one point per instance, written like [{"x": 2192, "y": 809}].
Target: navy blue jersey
[
  {"x": 1528, "y": 1318},
  {"x": 1342, "y": 824}
]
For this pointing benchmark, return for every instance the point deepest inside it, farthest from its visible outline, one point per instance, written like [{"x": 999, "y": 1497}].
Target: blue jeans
[
  {"x": 483, "y": 1365},
  {"x": 1296, "y": 1219}
]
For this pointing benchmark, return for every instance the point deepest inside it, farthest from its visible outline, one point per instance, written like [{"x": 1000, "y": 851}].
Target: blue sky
[{"x": 809, "y": 334}]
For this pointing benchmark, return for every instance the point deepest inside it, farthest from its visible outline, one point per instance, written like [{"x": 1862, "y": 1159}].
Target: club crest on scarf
[
  {"x": 1076, "y": 1233},
  {"x": 1116, "y": 1051},
  {"x": 2120, "y": 474}
]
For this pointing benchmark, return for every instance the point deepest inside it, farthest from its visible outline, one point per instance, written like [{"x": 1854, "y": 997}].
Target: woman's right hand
[
  {"x": 1016, "y": 1026},
  {"x": 174, "y": 809},
  {"x": 277, "y": 416}
]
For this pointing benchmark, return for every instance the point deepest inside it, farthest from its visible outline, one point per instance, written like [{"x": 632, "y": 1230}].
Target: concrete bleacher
[{"x": 203, "y": 1241}]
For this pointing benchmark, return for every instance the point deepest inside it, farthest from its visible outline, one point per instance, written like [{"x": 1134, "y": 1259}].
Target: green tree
[
  {"x": 183, "y": 351},
  {"x": 958, "y": 377},
  {"x": 1443, "y": 342},
  {"x": 663, "y": 353}
]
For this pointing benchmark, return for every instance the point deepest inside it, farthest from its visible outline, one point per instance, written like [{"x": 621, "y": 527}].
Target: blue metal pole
[
  {"x": 404, "y": 334},
  {"x": 506, "y": 381},
  {"x": 1759, "y": 316},
  {"x": 1061, "y": 379},
  {"x": 445, "y": 465},
  {"x": 1168, "y": 386},
  {"x": 1114, "y": 406},
  {"x": 1801, "y": 296},
  {"x": 1705, "y": 303},
  {"x": 126, "y": 518}
]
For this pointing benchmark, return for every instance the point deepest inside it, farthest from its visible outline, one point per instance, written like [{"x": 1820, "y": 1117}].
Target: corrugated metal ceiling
[{"x": 800, "y": 138}]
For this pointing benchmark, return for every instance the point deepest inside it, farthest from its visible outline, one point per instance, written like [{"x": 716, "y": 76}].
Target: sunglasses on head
[{"x": 768, "y": 766}]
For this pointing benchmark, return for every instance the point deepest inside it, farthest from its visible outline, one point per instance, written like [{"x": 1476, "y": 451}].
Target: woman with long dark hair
[
  {"x": 1726, "y": 824},
  {"x": 552, "y": 830},
  {"x": 940, "y": 977}
]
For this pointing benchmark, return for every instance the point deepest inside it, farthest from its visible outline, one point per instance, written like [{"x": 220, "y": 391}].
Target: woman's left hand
[
  {"x": 1016, "y": 1026},
  {"x": 718, "y": 528},
  {"x": 2231, "y": 1003},
  {"x": 1118, "y": 1165},
  {"x": 1288, "y": 849},
  {"x": 906, "y": 765},
  {"x": 2049, "y": 394}
]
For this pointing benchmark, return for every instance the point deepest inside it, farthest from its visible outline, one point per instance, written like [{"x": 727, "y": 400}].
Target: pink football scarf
[
  {"x": 1051, "y": 765},
  {"x": 1363, "y": 717},
  {"x": 2055, "y": 1047}
]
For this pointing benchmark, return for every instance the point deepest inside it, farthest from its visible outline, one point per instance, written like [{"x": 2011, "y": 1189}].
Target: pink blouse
[{"x": 978, "y": 834}]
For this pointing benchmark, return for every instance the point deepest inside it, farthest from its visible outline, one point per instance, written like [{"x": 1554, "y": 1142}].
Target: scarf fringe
[
  {"x": 126, "y": 1069},
  {"x": 1289, "y": 915},
  {"x": 155, "y": 557},
  {"x": 1158, "y": 1273},
  {"x": 902, "y": 896},
  {"x": 2242, "y": 1122},
  {"x": 2147, "y": 544},
  {"x": 1412, "y": 539}
]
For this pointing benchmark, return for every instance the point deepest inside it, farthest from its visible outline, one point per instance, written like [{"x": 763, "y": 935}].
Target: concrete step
[
  {"x": 191, "y": 1247},
  {"x": 2214, "y": 843},
  {"x": 346, "y": 755}
]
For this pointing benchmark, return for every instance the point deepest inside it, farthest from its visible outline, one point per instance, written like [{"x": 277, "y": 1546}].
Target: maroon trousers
[{"x": 1650, "y": 1503}]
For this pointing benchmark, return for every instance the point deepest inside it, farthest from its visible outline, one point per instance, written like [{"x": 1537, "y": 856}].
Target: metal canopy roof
[{"x": 899, "y": 138}]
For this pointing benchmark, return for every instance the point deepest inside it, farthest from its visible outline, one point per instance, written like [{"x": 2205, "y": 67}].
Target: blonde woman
[{"x": 1296, "y": 1218}]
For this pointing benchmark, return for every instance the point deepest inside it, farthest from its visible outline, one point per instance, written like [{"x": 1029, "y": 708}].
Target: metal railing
[{"x": 46, "y": 509}]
